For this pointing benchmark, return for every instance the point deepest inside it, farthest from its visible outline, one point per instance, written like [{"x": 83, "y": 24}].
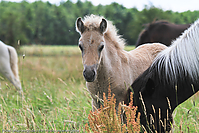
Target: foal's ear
[
  {"x": 103, "y": 26},
  {"x": 79, "y": 25}
]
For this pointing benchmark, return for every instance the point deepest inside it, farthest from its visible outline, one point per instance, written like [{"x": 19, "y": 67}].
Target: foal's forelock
[{"x": 92, "y": 27}]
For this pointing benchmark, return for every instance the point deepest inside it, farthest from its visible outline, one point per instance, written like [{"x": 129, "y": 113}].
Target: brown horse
[
  {"x": 162, "y": 32},
  {"x": 106, "y": 63}
]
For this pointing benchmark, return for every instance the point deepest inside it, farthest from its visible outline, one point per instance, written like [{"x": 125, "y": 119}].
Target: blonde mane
[{"x": 93, "y": 22}]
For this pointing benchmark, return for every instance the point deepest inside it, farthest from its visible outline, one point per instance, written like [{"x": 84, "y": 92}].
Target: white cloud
[{"x": 174, "y": 5}]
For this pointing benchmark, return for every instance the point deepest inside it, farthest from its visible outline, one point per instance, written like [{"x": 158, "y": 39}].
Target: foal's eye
[
  {"x": 101, "y": 47},
  {"x": 80, "y": 46}
]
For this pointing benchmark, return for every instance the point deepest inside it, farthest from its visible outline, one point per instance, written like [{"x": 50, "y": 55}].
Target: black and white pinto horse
[{"x": 172, "y": 78}]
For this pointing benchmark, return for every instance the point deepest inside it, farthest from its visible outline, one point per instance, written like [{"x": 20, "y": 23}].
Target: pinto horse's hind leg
[{"x": 5, "y": 68}]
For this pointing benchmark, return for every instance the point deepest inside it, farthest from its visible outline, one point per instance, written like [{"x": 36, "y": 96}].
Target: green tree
[{"x": 45, "y": 23}]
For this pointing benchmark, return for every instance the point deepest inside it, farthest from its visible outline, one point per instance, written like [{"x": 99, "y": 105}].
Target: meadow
[{"x": 55, "y": 94}]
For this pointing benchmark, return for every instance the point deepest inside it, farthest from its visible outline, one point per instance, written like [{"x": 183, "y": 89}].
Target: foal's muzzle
[{"x": 90, "y": 73}]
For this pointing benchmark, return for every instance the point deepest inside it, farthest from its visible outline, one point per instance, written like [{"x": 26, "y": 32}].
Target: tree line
[{"x": 49, "y": 24}]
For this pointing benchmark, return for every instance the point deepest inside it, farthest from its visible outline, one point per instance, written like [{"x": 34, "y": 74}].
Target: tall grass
[
  {"x": 55, "y": 94},
  {"x": 54, "y": 90}
]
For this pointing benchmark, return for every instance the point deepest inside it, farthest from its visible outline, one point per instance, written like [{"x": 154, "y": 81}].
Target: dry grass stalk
[{"x": 106, "y": 119}]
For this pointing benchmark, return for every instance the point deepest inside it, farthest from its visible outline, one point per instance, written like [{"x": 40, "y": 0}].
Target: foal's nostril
[
  {"x": 84, "y": 73},
  {"x": 89, "y": 74}
]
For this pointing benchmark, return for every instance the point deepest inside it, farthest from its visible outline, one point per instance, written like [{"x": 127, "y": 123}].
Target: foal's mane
[{"x": 92, "y": 22}]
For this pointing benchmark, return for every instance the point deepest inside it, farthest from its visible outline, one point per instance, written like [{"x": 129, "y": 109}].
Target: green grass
[
  {"x": 186, "y": 115},
  {"x": 47, "y": 50},
  {"x": 55, "y": 94},
  {"x": 54, "y": 90}
]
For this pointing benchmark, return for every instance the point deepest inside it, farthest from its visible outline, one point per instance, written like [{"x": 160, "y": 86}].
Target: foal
[{"x": 106, "y": 63}]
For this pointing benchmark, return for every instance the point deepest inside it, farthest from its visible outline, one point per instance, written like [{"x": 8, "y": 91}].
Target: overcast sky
[{"x": 174, "y": 5}]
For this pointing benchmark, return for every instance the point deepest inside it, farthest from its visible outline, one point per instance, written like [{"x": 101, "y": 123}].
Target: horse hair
[{"x": 169, "y": 81}]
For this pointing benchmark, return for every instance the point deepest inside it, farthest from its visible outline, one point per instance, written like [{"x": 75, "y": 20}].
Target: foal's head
[{"x": 91, "y": 44}]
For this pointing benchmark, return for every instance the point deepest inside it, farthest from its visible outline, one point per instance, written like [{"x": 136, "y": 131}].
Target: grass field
[{"x": 56, "y": 97}]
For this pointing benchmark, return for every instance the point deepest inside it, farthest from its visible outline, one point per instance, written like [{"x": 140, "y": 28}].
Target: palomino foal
[
  {"x": 9, "y": 66},
  {"x": 106, "y": 63}
]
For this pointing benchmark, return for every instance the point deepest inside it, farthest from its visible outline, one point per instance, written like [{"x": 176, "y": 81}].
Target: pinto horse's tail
[
  {"x": 13, "y": 61},
  {"x": 14, "y": 67}
]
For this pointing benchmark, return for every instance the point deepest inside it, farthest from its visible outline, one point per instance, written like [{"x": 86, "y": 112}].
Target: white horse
[{"x": 8, "y": 65}]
